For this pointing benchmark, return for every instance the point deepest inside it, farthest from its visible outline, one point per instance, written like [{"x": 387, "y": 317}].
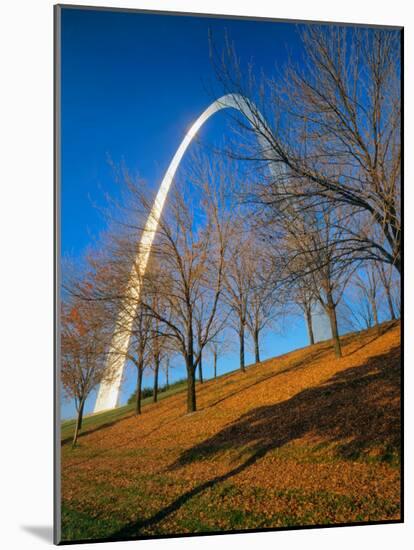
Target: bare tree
[
  {"x": 140, "y": 350},
  {"x": 83, "y": 343},
  {"x": 159, "y": 344},
  {"x": 187, "y": 269},
  {"x": 332, "y": 124},
  {"x": 367, "y": 283},
  {"x": 109, "y": 284},
  {"x": 264, "y": 299},
  {"x": 314, "y": 255},
  {"x": 238, "y": 283},
  {"x": 218, "y": 347},
  {"x": 304, "y": 297}
]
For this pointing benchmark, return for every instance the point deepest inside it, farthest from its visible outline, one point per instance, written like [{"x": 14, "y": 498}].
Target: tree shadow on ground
[
  {"x": 316, "y": 355},
  {"x": 323, "y": 349},
  {"x": 92, "y": 429},
  {"x": 372, "y": 333},
  {"x": 358, "y": 409},
  {"x": 127, "y": 441}
]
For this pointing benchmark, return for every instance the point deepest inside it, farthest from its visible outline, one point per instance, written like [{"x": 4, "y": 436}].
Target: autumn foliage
[{"x": 302, "y": 439}]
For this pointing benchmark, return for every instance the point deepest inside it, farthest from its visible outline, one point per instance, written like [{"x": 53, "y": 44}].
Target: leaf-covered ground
[{"x": 302, "y": 439}]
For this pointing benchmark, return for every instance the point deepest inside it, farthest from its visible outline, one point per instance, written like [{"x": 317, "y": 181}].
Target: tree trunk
[
  {"x": 78, "y": 423},
  {"x": 390, "y": 304},
  {"x": 200, "y": 369},
  {"x": 308, "y": 316},
  {"x": 256, "y": 346},
  {"x": 156, "y": 371},
  {"x": 139, "y": 391},
  {"x": 215, "y": 363},
  {"x": 191, "y": 389},
  {"x": 241, "y": 337},
  {"x": 331, "y": 310},
  {"x": 167, "y": 368},
  {"x": 374, "y": 311},
  {"x": 386, "y": 281}
]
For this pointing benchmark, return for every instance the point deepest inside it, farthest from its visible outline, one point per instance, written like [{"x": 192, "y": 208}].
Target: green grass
[
  {"x": 81, "y": 526},
  {"x": 223, "y": 508},
  {"x": 99, "y": 420}
]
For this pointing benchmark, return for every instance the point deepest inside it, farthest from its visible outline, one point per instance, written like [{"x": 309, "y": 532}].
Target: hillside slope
[{"x": 302, "y": 439}]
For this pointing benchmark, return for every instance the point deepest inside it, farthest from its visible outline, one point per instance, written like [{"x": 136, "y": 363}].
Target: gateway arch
[{"x": 109, "y": 391}]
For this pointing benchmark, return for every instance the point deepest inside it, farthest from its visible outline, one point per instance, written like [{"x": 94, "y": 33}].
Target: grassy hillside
[
  {"x": 92, "y": 422},
  {"x": 302, "y": 439}
]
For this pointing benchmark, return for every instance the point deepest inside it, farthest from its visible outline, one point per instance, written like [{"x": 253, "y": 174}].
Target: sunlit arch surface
[{"x": 109, "y": 391}]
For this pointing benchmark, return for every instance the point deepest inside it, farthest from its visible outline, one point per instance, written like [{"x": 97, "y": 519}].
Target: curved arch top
[{"x": 109, "y": 391}]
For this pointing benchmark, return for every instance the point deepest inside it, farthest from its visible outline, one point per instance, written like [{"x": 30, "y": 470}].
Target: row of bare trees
[
  {"x": 225, "y": 274},
  {"x": 327, "y": 158},
  {"x": 333, "y": 132},
  {"x": 199, "y": 277}
]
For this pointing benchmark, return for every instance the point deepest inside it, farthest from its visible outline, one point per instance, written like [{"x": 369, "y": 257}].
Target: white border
[{"x": 26, "y": 122}]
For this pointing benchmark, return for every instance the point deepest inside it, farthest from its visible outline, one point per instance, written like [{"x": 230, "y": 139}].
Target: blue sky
[{"x": 132, "y": 83}]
